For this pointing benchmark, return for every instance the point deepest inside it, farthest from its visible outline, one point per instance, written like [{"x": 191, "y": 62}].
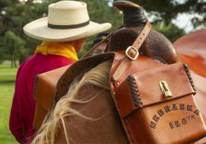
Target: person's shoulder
[{"x": 24, "y": 64}]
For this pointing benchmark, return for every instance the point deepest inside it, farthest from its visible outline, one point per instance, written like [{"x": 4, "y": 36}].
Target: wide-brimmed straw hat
[{"x": 66, "y": 21}]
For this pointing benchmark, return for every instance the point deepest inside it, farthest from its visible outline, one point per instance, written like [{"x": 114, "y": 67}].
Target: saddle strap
[
  {"x": 97, "y": 45},
  {"x": 132, "y": 53}
]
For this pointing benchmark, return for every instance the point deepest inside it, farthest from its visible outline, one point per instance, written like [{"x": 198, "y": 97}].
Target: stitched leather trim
[
  {"x": 134, "y": 91},
  {"x": 189, "y": 76}
]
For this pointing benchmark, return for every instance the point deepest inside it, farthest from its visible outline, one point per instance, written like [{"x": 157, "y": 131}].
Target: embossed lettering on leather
[{"x": 142, "y": 105}]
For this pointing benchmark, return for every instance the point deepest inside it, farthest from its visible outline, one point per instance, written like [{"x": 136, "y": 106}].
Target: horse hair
[{"x": 55, "y": 119}]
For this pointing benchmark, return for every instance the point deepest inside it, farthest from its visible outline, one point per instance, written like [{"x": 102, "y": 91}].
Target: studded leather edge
[
  {"x": 189, "y": 76},
  {"x": 134, "y": 91}
]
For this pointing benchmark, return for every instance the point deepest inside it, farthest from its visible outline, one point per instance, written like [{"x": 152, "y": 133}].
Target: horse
[{"x": 83, "y": 110}]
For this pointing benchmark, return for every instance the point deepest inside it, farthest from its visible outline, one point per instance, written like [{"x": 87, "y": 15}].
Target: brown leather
[
  {"x": 147, "y": 84},
  {"x": 143, "y": 63},
  {"x": 137, "y": 44},
  {"x": 156, "y": 46},
  {"x": 74, "y": 71},
  {"x": 142, "y": 36},
  {"x": 191, "y": 49},
  {"x": 176, "y": 132},
  {"x": 129, "y": 110},
  {"x": 155, "y": 114},
  {"x": 44, "y": 91}
]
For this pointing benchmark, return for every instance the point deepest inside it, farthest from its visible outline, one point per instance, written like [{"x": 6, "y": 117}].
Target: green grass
[
  {"x": 7, "y": 79},
  {"x": 7, "y": 74}
]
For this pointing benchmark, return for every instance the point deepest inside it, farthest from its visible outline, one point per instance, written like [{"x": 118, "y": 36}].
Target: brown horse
[
  {"x": 85, "y": 111},
  {"x": 93, "y": 118}
]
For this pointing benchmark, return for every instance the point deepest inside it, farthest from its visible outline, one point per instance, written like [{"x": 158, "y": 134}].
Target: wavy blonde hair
[{"x": 55, "y": 120}]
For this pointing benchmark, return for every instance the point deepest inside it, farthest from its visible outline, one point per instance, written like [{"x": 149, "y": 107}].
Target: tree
[
  {"x": 15, "y": 14},
  {"x": 167, "y": 10},
  {"x": 101, "y": 12},
  {"x": 171, "y": 31},
  {"x": 13, "y": 46},
  {"x": 1, "y": 55},
  {"x": 162, "y": 12}
]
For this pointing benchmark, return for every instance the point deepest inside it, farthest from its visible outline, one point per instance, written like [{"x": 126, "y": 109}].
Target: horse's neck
[{"x": 105, "y": 127}]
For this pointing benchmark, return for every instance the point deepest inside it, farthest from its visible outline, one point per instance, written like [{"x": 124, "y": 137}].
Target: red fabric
[{"x": 23, "y": 106}]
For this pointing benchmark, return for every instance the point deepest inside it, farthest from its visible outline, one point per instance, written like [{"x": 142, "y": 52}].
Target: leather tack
[
  {"x": 142, "y": 36},
  {"x": 137, "y": 44}
]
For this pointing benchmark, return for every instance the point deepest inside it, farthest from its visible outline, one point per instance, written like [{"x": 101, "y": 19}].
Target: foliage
[
  {"x": 100, "y": 12},
  {"x": 167, "y": 10},
  {"x": 13, "y": 46},
  {"x": 15, "y": 14},
  {"x": 171, "y": 31},
  {"x": 1, "y": 54}
]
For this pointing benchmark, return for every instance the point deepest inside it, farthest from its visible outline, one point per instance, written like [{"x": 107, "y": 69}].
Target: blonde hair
[{"x": 55, "y": 120}]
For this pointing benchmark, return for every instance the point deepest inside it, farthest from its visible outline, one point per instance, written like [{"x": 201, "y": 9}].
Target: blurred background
[{"x": 174, "y": 18}]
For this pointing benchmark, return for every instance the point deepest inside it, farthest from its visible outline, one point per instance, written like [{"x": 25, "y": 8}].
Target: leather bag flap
[{"x": 143, "y": 88}]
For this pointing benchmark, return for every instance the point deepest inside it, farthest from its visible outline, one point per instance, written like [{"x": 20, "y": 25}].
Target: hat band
[{"x": 67, "y": 26}]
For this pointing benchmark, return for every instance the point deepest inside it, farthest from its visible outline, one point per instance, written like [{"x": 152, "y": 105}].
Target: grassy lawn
[
  {"x": 7, "y": 79},
  {"x": 7, "y": 74}
]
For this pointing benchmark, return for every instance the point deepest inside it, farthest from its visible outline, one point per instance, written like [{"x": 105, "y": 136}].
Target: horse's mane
[{"x": 55, "y": 120}]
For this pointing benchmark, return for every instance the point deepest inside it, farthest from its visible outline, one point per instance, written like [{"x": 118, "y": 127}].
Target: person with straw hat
[{"x": 63, "y": 33}]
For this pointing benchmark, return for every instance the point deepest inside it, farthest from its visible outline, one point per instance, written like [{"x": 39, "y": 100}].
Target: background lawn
[{"x": 7, "y": 82}]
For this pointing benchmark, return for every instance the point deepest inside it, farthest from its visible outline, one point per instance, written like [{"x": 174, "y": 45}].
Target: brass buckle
[{"x": 129, "y": 56}]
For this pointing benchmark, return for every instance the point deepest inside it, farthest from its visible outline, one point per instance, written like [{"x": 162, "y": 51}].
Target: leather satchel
[
  {"x": 44, "y": 91},
  {"x": 156, "y": 101},
  {"x": 159, "y": 104}
]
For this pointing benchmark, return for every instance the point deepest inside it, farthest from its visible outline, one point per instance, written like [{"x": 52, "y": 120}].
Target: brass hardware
[
  {"x": 165, "y": 89},
  {"x": 129, "y": 54}
]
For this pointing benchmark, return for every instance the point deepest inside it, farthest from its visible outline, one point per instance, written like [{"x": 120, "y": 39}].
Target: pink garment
[{"x": 23, "y": 106}]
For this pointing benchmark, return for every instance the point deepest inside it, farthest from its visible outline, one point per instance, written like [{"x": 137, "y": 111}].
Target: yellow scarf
[{"x": 64, "y": 49}]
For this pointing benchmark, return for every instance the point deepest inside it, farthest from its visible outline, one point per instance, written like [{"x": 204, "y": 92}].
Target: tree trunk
[
  {"x": 12, "y": 61},
  {"x": 22, "y": 58},
  {"x": 15, "y": 65},
  {"x": 29, "y": 1}
]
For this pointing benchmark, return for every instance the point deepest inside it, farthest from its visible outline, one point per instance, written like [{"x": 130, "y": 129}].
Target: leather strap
[
  {"x": 142, "y": 36},
  {"x": 132, "y": 52},
  {"x": 98, "y": 44}
]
